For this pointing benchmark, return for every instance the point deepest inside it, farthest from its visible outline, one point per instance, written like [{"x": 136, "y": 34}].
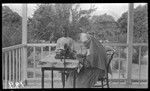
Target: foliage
[
  {"x": 49, "y": 21},
  {"x": 11, "y": 27},
  {"x": 140, "y": 32},
  {"x": 104, "y": 27}
]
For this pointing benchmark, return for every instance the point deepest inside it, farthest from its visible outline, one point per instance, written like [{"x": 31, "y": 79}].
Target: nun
[{"x": 92, "y": 64}]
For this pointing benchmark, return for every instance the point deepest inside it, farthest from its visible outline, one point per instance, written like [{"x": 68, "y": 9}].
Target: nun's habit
[{"x": 96, "y": 68}]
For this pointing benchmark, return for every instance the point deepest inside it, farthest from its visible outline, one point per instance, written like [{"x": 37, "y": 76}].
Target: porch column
[
  {"x": 24, "y": 41},
  {"x": 130, "y": 42}
]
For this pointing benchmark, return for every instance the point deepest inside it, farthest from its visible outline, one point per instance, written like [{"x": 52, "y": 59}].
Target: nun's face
[
  {"x": 87, "y": 44},
  {"x": 85, "y": 39}
]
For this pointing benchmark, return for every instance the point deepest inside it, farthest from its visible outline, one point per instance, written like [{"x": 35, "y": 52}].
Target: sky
[{"x": 114, "y": 9}]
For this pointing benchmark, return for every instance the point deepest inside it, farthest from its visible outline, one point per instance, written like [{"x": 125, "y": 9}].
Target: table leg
[
  {"x": 52, "y": 78},
  {"x": 42, "y": 78},
  {"x": 63, "y": 79},
  {"x": 74, "y": 80},
  {"x": 63, "y": 73}
]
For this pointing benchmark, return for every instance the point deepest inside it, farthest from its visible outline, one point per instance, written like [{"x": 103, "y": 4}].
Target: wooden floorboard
[{"x": 58, "y": 84}]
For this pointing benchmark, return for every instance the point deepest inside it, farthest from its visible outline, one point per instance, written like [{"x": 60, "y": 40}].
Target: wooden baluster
[
  {"x": 81, "y": 49},
  {"x": 49, "y": 50},
  {"x": 9, "y": 65},
  {"x": 41, "y": 53},
  {"x": 19, "y": 69},
  {"x": 13, "y": 54},
  {"x": 139, "y": 64},
  {"x": 34, "y": 60},
  {"x": 3, "y": 68},
  {"x": 16, "y": 65},
  {"x": 119, "y": 65},
  {"x": 6, "y": 71},
  {"x": 21, "y": 64}
]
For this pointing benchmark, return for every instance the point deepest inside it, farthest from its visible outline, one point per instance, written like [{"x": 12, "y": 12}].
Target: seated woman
[
  {"x": 64, "y": 40},
  {"x": 65, "y": 44},
  {"x": 92, "y": 67}
]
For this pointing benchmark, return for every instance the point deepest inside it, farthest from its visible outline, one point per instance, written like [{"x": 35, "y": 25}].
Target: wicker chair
[{"x": 104, "y": 80}]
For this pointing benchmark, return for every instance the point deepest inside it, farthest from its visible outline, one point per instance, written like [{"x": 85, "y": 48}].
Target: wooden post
[
  {"x": 130, "y": 42},
  {"x": 24, "y": 41},
  {"x": 24, "y": 24}
]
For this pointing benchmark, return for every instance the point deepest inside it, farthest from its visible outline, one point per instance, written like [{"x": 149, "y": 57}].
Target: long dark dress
[
  {"x": 86, "y": 78},
  {"x": 97, "y": 61}
]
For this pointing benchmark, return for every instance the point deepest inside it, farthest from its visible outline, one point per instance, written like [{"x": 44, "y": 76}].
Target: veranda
[{"x": 16, "y": 69}]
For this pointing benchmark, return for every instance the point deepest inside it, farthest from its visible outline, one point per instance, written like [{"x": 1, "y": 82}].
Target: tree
[
  {"x": 11, "y": 27},
  {"x": 49, "y": 20},
  {"x": 105, "y": 27},
  {"x": 140, "y": 32}
]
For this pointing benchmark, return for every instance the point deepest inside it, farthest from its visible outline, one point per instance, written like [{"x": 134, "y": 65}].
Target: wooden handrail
[
  {"x": 140, "y": 44},
  {"x": 124, "y": 44},
  {"x": 13, "y": 47},
  {"x": 105, "y": 44},
  {"x": 54, "y": 44},
  {"x": 46, "y": 44}
]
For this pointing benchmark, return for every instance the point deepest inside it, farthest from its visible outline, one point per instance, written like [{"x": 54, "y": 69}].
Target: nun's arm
[{"x": 89, "y": 58}]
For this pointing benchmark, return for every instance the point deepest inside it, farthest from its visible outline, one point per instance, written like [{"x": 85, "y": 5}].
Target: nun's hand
[
  {"x": 79, "y": 67},
  {"x": 80, "y": 57}
]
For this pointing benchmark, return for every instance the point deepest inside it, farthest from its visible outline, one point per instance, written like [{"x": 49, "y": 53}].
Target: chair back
[{"x": 110, "y": 57}]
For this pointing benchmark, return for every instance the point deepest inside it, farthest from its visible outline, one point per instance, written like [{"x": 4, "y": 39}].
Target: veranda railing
[{"x": 13, "y": 57}]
